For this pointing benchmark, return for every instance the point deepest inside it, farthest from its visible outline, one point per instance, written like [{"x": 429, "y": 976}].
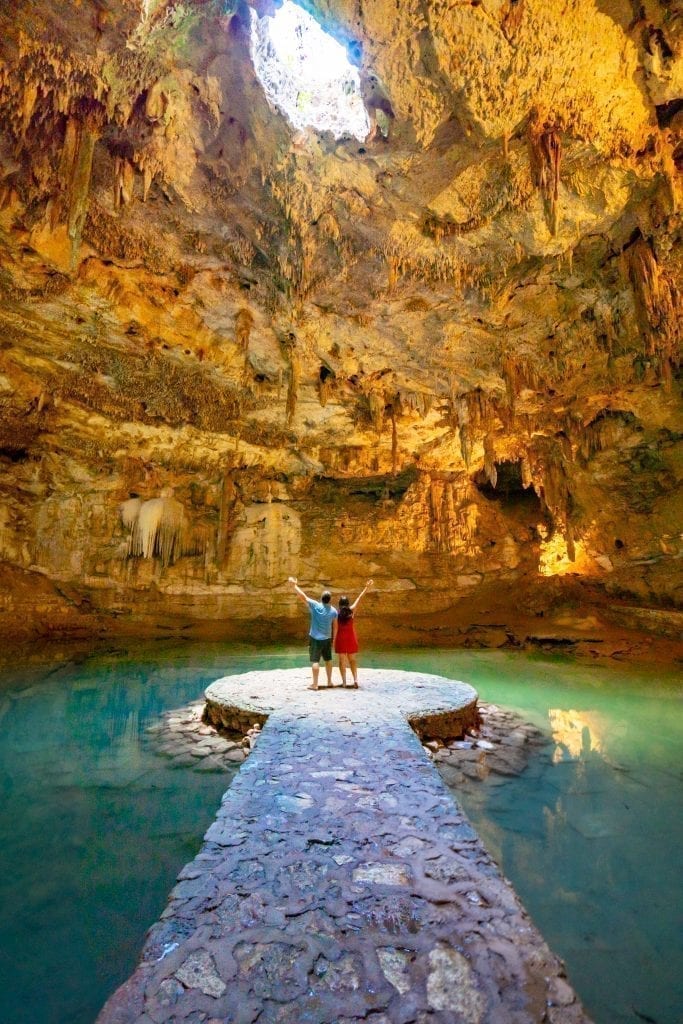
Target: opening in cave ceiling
[{"x": 306, "y": 73}]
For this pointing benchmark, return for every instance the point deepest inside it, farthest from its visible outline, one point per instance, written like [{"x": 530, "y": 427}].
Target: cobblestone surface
[{"x": 340, "y": 882}]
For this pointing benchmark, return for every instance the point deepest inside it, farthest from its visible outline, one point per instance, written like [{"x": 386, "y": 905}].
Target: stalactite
[
  {"x": 439, "y": 228},
  {"x": 124, "y": 181},
  {"x": 129, "y": 512},
  {"x": 512, "y": 18},
  {"x": 453, "y": 516},
  {"x": 412, "y": 401},
  {"x": 465, "y": 444},
  {"x": 75, "y": 169},
  {"x": 545, "y": 156},
  {"x": 147, "y": 179},
  {"x": 460, "y": 415},
  {"x": 513, "y": 381},
  {"x": 658, "y": 305},
  {"x": 158, "y": 528},
  {"x": 604, "y": 432},
  {"x": 27, "y": 107},
  {"x": 376, "y": 403},
  {"x": 552, "y": 484},
  {"x": 570, "y": 542},
  {"x": 460, "y": 412},
  {"x": 519, "y": 373},
  {"x": 293, "y": 386},
  {"x": 482, "y": 409},
  {"x": 607, "y": 333},
  {"x": 412, "y": 255},
  {"x": 392, "y": 275},
  {"x": 394, "y": 441},
  {"x": 490, "y": 460},
  {"x": 244, "y": 321},
  {"x": 325, "y": 385},
  {"x": 225, "y": 516}
]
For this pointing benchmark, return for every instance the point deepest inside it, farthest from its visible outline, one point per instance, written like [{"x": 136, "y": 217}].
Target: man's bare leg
[
  {"x": 315, "y": 669},
  {"x": 328, "y": 669},
  {"x": 354, "y": 668}
]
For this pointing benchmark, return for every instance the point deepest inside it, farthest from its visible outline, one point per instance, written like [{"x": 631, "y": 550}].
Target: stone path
[{"x": 340, "y": 882}]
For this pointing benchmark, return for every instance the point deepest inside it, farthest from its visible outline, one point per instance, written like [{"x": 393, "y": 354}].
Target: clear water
[{"x": 95, "y": 825}]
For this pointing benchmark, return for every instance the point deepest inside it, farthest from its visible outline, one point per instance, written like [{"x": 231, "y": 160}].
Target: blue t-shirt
[{"x": 322, "y": 617}]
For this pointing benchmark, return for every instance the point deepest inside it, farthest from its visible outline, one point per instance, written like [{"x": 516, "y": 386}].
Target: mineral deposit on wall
[{"x": 231, "y": 349}]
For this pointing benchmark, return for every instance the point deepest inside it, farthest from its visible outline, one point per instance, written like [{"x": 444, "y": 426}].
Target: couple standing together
[{"x": 330, "y": 625}]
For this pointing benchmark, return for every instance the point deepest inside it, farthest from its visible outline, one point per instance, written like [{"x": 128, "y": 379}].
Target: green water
[{"x": 95, "y": 825}]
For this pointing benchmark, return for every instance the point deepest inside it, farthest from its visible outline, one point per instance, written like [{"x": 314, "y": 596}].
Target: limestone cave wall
[{"x": 447, "y": 357}]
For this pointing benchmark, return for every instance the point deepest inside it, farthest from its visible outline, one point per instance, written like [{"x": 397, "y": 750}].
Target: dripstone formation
[{"x": 231, "y": 350}]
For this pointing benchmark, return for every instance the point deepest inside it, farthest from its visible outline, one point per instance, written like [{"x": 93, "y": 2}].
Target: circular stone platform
[{"x": 436, "y": 707}]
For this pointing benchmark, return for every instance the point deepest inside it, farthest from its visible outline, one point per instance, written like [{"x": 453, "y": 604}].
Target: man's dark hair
[{"x": 326, "y": 597}]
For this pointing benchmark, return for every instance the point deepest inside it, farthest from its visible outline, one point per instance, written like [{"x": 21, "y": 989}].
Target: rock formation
[{"x": 231, "y": 350}]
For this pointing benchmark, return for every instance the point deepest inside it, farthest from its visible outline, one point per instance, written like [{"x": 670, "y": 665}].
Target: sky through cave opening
[{"x": 306, "y": 73}]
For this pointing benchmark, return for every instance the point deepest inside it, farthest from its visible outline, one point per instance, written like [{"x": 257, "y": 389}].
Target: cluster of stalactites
[
  {"x": 545, "y": 154},
  {"x": 544, "y": 459},
  {"x": 603, "y": 432},
  {"x": 60, "y": 103},
  {"x": 454, "y": 516},
  {"x": 391, "y": 403},
  {"x": 658, "y": 305},
  {"x": 290, "y": 351},
  {"x": 470, "y": 412},
  {"x": 159, "y": 528}
]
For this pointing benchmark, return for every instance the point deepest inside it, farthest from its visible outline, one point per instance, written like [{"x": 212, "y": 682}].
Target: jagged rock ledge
[{"x": 341, "y": 883}]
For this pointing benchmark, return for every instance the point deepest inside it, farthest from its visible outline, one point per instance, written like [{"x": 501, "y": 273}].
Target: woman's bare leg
[
  {"x": 354, "y": 668},
  {"x": 342, "y": 667}
]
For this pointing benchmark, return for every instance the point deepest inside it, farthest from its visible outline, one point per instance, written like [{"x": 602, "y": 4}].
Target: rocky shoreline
[{"x": 502, "y": 743}]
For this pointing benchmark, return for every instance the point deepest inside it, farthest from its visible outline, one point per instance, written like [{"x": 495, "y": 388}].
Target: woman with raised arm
[{"x": 346, "y": 641}]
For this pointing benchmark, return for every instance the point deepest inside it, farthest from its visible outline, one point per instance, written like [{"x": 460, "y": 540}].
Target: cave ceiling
[{"x": 492, "y": 278}]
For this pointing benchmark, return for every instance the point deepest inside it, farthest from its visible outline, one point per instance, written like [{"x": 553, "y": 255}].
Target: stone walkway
[{"x": 340, "y": 882}]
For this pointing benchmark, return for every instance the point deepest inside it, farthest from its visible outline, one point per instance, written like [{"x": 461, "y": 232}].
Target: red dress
[{"x": 346, "y": 641}]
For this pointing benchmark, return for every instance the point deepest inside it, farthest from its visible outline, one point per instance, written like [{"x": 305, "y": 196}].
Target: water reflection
[
  {"x": 95, "y": 825},
  {"x": 577, "y": 734}
]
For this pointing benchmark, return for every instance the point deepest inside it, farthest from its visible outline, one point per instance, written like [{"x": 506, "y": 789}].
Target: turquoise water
[{"x": 95, "y": 825}]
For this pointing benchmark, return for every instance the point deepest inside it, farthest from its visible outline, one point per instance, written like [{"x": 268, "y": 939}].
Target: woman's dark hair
[{"x": 345, "y": 611}]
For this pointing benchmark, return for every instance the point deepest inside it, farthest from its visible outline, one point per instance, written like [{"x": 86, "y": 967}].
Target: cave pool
[{"x": 96, "y": 825}]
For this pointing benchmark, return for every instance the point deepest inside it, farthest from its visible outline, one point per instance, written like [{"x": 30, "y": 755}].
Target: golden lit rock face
[{"x": 447, "y": 357}]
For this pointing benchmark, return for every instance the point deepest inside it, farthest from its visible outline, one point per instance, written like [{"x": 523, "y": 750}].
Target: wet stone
[
  {"x": 451, "y": 986},
  {"x": 273, "y": 970},
  {"x": 395, "y": 968},
  {"x": 342, "y": 976},
  {"x": 296, "y": 804},
  {"x": 561, "y": 993},
  {"x": 340, "y": 881},
  {"x": 199, "y": 971},
  {"x": 382, "y": 874}
]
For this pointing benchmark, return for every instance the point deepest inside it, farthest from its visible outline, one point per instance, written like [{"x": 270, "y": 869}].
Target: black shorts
[{"x": 318, "y": 649}]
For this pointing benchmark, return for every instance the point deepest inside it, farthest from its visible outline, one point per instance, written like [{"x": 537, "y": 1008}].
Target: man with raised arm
[{"x": 323, "y": 617}]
